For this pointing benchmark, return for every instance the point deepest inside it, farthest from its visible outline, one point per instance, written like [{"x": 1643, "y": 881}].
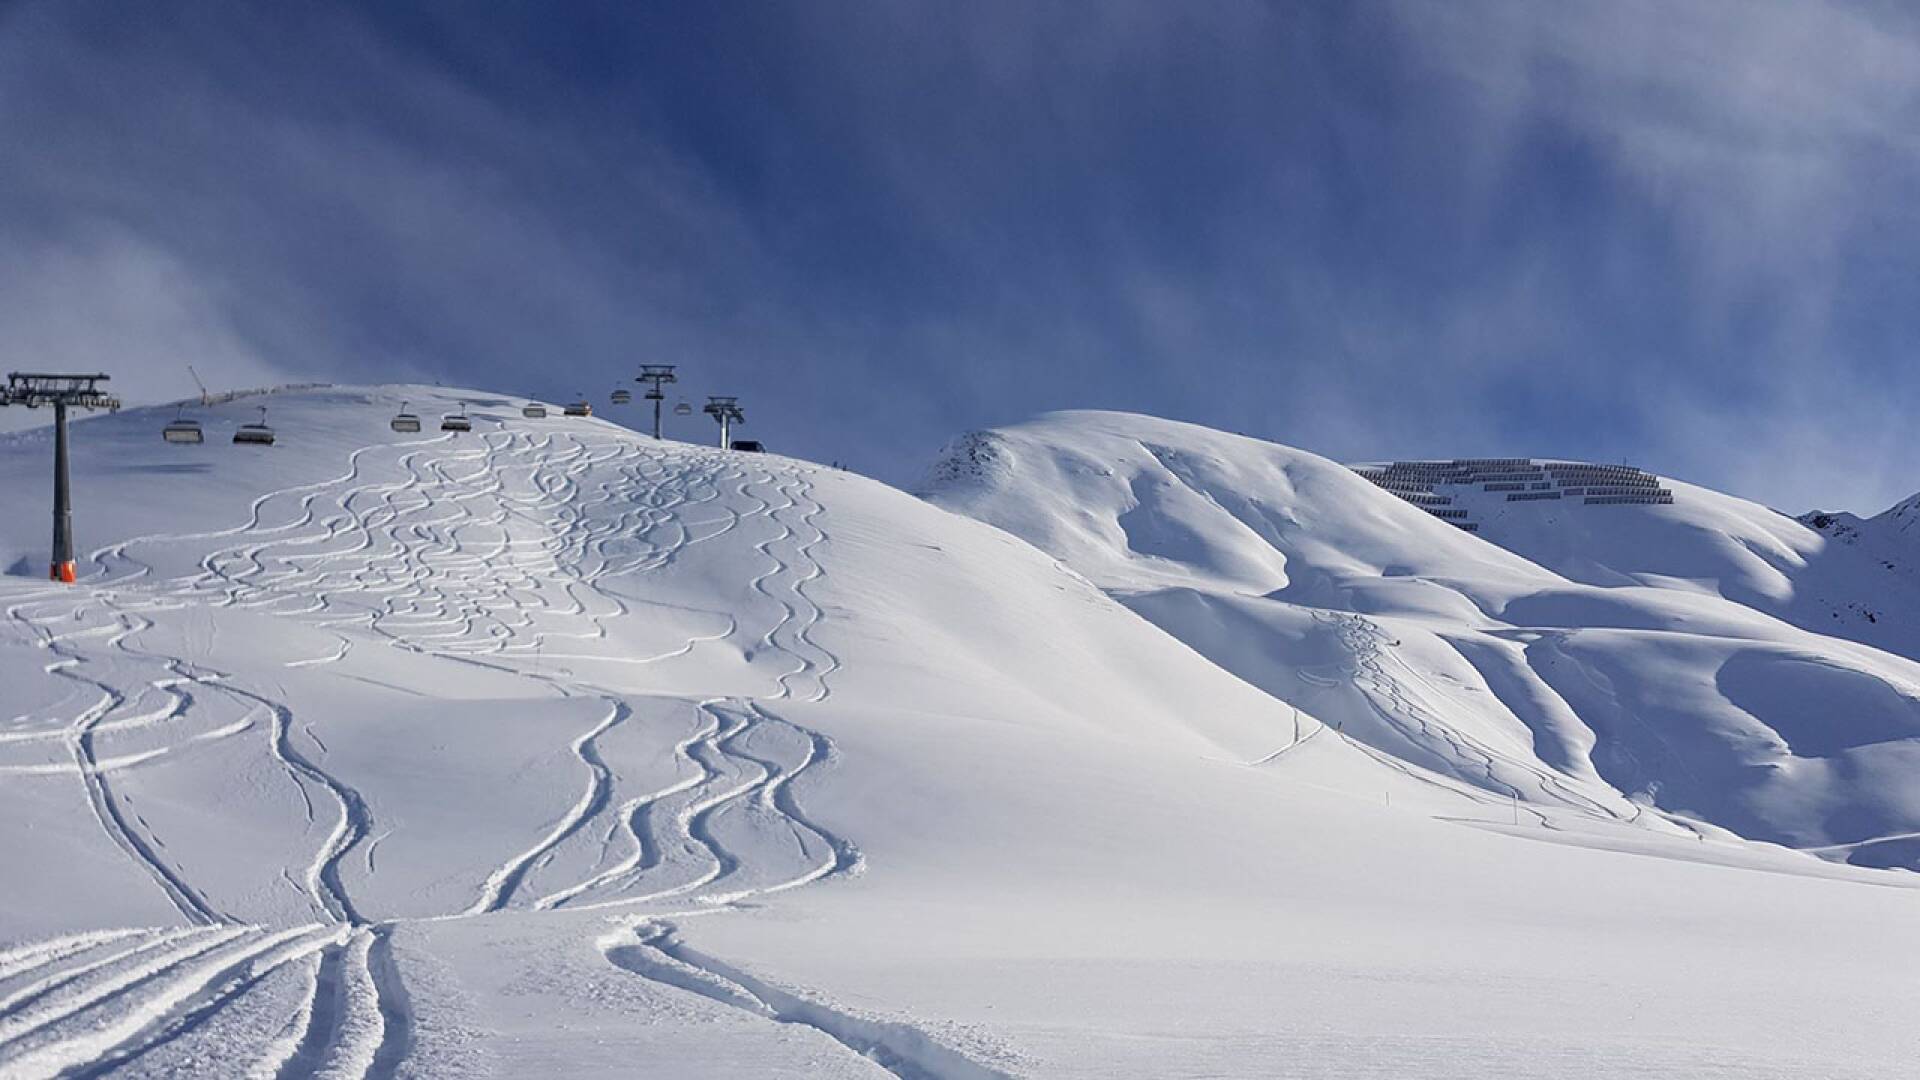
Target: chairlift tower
[
  {"x": 727, "y": 411},
  {"x": 656, "y": 376},
  {"x": 61, "y": 392}
]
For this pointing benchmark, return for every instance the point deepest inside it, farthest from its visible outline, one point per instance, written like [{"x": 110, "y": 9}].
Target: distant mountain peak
[
  {"x": 1903, "y": 515},
  {"x": 1838, "y": 525}
]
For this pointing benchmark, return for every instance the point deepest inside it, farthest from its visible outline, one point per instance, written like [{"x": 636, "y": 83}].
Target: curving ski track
[
  {"x": 654, "y": 951},
  {"x": 514, "y": 551}
]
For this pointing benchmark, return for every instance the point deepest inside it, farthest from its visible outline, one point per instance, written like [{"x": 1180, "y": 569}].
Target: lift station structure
[
  {"x": 62, "y": 392},
  {"x": 656, "y": 376},
  {"x": 727, "y": 411}
]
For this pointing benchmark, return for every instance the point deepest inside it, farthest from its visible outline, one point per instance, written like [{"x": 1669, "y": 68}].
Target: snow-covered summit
[
  {"x": 1636, "y": 659},
  {"x": 1137, "y": 502},
  {"x": 1899, "y": 523}
]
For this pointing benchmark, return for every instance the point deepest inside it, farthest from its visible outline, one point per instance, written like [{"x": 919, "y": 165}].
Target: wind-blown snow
[{"x": 551, "y": 749}]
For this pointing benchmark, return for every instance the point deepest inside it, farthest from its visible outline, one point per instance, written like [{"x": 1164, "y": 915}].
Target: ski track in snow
[
  {"x": 500, "y": 885},
  {"x": 654, "y": 951},
  {"x": 422, "y": 554},
  {"x": 1387, "y": 696},
  {"x": 127, "y": 831}
]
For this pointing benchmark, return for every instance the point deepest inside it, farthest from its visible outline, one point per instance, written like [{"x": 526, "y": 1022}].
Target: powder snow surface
[{"x": 1134, "y": 749}]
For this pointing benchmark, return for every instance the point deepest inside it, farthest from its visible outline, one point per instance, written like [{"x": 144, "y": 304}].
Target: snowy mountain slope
[
  {"x": 1868, "y": 581},
  {"x": 1648, "y": 698},
  {"x": 550, "y": 749},
  {"x": 1717, "y": 544},
  {"x": 359, "y": 677},
  {"x": 513, "y": 570}
]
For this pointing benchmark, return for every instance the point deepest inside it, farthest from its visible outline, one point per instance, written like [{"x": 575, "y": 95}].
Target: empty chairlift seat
[
  {"x": 456, "y": 422},
  {"x": 254, "y": 434},
  {"x": 404, "y": 420},
  {"x": 580, "y": 408},
  {"x": 683, "y": 409},
  {"x": 621, "y": 397},
  {"x": 533, "y": 410},
  {"x": 183, "y": 431}
]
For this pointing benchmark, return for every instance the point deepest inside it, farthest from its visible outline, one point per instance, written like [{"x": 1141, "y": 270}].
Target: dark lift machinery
[
  {"x": 61, "y": 392},
  {"x": 727, "y": 411},
  {"x": 657, "y": 376}
]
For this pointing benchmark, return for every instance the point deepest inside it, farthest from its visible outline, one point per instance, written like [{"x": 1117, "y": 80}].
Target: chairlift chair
[
  {"x": 256, "y": 433},
  {"x": 405, "y": 421},
  {"x": 456, "y": 422},
  {"x": 683, "y": 409},
  {"x": 533, "y": 410},
  {"x": 580, "y": 408},
  {"x": 183, "y": 430},
  {"x": 622, "y": 397}
]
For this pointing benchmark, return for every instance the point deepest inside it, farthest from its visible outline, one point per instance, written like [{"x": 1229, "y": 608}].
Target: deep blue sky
[{"x": 1683, "y": 233}]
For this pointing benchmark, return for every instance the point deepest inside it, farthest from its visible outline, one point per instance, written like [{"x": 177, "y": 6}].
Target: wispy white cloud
[
  {"x": 99, "y": 298},
  {"x": 1775, "y": 142},
  {"x": 221, "y": 191},
  {"x": 1613, "y": 228}
]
